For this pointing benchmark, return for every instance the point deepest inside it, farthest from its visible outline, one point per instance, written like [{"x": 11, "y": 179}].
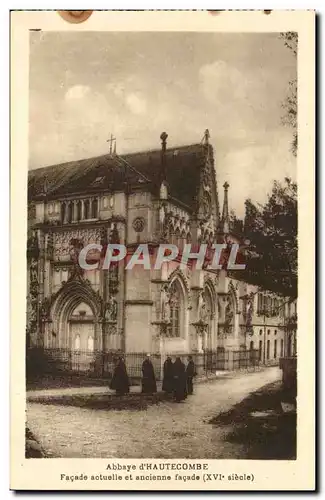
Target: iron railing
[{"x": 52, "y": 361}]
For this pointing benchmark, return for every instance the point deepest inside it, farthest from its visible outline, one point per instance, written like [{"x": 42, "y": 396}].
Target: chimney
[{"x": 225, "y": 210}]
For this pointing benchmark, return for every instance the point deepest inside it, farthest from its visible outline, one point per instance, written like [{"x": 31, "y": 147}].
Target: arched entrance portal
[{"x": 75, "y": 318}]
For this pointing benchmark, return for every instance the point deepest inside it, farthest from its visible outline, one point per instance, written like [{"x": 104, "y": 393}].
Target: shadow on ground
[
  {"x": 265, "y": 423},
  {"x": 132, "y": 401}
]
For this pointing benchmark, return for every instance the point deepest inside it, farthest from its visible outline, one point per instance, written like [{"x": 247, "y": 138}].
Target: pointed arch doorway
[{"x": 81, "y": 336}]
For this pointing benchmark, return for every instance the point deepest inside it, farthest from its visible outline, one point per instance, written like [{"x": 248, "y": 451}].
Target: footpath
[
  {"x": 64, "y": 393},
  {"x": 165, "y": 430}
]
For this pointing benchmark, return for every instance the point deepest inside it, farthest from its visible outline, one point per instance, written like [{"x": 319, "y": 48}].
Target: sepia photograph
[
  {"x": 161, "y": 252},
  {"x": 149, "y": 139}
]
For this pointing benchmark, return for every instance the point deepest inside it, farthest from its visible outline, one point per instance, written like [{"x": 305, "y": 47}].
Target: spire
[
  {"x": 163, "y": 138},
  {"x": 206, "y": 137},
  {"x": 225, "y": 210}
]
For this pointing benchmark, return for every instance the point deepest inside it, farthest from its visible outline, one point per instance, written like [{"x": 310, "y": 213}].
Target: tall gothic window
[
  {"x": 259, "y": 303},
  {"x": 176, "y": 310},
  {"x": 79, "y": 210},
  {"x": 70, "y": 211},
  {"x": 86, "y": 209},
  {"x": 63, "y": 209},
  {"x": 94, "y": 209}
]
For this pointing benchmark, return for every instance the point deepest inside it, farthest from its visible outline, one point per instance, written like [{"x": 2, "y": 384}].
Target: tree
[
  {"x": 290, "y": 104},
  {"x": 271, "y": 258}
]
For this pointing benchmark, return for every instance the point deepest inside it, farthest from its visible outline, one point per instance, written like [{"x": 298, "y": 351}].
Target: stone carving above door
[{"x": 62, "y": 241}]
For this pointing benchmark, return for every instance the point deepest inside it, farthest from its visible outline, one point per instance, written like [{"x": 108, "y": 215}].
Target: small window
[
  {"x": 275, "y": 332},
  {"x": 260, "y": 344},
  {"x": 268, "y": 350},
  {"x": 261, "y": 332},
  {"x": 268, "y": 332}
]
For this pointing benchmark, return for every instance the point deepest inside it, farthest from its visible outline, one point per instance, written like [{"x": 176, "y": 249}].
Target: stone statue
[
  {"x": 34, "y": 271},
  {"x": 249, "y": 312},
  {"x": 111, "y": 309},
  {"x": 229, "y": 314},
  {"x": 114, "y": 237},
  {"x": 165, "y": 303}
]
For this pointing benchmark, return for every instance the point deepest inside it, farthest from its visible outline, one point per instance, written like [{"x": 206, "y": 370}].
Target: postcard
[{"x": 162, "y": 232}]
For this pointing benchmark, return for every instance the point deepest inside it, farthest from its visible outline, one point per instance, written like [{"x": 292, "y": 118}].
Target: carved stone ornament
[
  {"x": 138, "y": 224},
  {"x": 62, "y": 240},
  {"x": 206, "y": 205},
  {"x": 111, "y": 309}
]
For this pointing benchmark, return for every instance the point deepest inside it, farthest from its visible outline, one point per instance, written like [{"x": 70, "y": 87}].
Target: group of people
[{"x": 177, "y": 378}]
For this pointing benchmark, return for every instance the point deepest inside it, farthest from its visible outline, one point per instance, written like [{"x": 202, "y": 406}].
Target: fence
[{"x": 98, "y": 364}]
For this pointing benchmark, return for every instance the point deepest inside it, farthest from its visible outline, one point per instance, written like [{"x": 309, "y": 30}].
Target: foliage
[
  {"x": 290, "y": 104},
  {"x": 271, "y": 258}
]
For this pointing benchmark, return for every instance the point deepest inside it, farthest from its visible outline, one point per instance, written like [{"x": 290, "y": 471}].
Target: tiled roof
[{"x": 93, "y": 175}]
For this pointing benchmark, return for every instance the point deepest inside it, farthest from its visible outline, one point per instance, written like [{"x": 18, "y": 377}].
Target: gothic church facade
[{"x": 168, "y": 195}]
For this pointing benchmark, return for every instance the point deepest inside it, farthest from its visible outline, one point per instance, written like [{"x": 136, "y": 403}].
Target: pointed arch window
[
  {"x": 77, "y": 342},
  {"x": 176, "y": 303},
  {"x": 90, "y": 343}
]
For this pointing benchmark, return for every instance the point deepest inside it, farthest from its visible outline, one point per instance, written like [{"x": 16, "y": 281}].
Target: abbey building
[{"x": 168, "y": 195}]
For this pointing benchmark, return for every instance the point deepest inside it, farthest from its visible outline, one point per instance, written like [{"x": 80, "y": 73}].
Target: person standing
[
  {"x": 190, "y": 374},
  {"x": 179, "y": 380},
  {"x": 168, "y": 381},
  {"x": 149, "y": 385},
  {"x": 120, "y": 380}
]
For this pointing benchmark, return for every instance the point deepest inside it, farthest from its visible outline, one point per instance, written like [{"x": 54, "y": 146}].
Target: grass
[{"x": 269, "y": 436}]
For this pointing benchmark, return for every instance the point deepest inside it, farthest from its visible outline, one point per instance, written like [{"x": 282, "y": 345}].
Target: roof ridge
[{"x": 108, "y": 156}]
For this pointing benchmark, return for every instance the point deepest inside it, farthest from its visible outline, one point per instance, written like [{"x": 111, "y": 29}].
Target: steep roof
[{"x": 92, "y": 175}]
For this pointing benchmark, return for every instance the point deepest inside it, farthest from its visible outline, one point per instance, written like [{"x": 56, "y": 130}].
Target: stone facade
[{"x": 170, "y": 310}]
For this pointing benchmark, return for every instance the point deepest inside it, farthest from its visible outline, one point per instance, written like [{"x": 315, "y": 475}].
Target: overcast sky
[{"x": 85, "y": 86}]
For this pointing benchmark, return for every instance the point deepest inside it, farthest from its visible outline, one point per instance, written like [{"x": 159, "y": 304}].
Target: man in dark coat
[
  {"x": 179, "y": 380},
  {"x": 190, "y": 374},
  {"x": 120, "y": 380},
  {"x": 149, "y": 385},
  {"x": 168, "y": 380}
]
